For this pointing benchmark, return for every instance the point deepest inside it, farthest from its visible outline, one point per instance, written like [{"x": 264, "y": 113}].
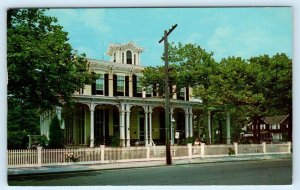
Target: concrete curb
[{"x": 19, "y": 172}]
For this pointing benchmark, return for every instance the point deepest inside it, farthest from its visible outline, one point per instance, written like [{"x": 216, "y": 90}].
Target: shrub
[
  {"x": 17, "y": 139},
  {"x": 231, "y": 151},
  {"x": 55, "y": 134},
  {"x": 115, "y": 142}
]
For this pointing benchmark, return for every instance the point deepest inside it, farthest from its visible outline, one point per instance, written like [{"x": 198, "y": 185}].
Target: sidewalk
[{"x": 94, "y": 167}]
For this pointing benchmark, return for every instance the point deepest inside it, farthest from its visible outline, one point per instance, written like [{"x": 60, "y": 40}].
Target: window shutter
[
  {"x": 106, "y": 85},
  {"x": 115, "y": 85},
  {"x": 154, "y": 90},
  {"x": 126, "y": 85},
  {"x": 94, "y": 88},
  {"x": 134, "y": 85},
  {"x": 187, "y": 94}
]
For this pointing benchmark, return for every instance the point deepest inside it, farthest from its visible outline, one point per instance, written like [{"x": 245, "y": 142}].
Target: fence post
[
  {"x": 235, "y": 148},
  {"x": 202, "y": 150},
  {"x": 264, "y": 147},
  {"x": 289, "y": 147},
  {"x": 102, "y": 152},
  {"x": 39, "y": 152},
  {"x": 190, "y": 148}
]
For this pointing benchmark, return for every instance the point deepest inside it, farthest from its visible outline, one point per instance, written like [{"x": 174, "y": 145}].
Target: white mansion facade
[{"x": 117, "y": 105}]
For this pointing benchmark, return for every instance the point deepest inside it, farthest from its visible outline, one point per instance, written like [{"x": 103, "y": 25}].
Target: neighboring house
[
  {"x": 274, "y": 128},
  {"x": 116, "y": 105}
]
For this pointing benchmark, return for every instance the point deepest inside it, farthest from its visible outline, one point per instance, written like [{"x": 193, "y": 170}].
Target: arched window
[{"x": 128, "y": 57}]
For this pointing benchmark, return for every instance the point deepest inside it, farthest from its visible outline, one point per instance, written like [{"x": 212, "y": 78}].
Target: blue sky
[{"x": 242, "y": 32}]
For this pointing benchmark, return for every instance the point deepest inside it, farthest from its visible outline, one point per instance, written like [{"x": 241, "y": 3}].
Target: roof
[
  {"x": 131, "y": 45},
  {"x": 275, "y": 119}
]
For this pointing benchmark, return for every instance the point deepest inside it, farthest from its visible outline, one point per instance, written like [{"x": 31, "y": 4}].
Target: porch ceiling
[{"x": 154, "y": 102}]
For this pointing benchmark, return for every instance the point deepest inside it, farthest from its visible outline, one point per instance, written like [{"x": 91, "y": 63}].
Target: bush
[
  {"x": 188, "y": 140},
  {"x": 39, "y": 141},
  {"x": 55, "y": 134},
  {"x": 115, "y": 142},
  {"x": 17, "y": 139},
  {"x": 231, "y": 151}
]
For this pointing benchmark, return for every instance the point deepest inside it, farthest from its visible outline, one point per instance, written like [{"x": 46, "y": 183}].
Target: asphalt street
[{"x": 262, "y": 172}]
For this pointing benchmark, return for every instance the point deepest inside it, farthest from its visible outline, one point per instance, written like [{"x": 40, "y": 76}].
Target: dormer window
[
  {"x": 129, "y": 57},
  {"x": 114, "y": 57}
]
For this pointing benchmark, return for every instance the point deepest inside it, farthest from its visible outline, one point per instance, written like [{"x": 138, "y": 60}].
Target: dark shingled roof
[{"x": 275, "y": 119}]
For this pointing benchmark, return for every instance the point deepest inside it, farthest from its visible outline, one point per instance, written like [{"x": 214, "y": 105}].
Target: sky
[{"x": 241, "y": 32}]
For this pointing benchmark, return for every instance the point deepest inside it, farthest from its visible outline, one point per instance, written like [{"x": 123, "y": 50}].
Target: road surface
[{"x": 263, "y": 172}]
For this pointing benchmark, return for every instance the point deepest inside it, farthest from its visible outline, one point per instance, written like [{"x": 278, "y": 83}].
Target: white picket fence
[{"x": 45, "y": 157}]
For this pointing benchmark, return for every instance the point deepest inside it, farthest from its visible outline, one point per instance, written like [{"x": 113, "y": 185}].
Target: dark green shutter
[
  {"x": 134, "y": 85},
  {"x": 115, "y": 85},
  {"x": 94, "y": 88},
  {"x": 106, "y": 85},
  {"x": 187, "y": 93},
  {"x": 154, "y": 90},
  {"x": 126, "y": 85}
]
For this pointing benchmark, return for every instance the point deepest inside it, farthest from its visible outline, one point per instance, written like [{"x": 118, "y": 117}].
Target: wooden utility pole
[{"x": 167, "y": 95}]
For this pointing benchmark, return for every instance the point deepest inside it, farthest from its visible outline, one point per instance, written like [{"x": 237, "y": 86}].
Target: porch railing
[{"x": 45, "y": 157}]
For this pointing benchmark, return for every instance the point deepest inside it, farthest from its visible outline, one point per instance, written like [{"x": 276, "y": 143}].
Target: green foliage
[
  {"x": 42, "y": 69},
  {"x": 251, "y": 88},
  {"x": 231, "y": 151},
  {"x": 115, "y": 140},
  {"x": 55, "y": 134},
  {"x": 17, "y": 139},
  {"x": 187, "y": 140},
  {"x": 40, "y": 141}
]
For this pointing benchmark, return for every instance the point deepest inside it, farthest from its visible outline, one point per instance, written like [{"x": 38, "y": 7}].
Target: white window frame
[
  {"x": 120, "y": 80},
  {"x": 101, "y": 78},
  {"x": 139, "y": 87}
]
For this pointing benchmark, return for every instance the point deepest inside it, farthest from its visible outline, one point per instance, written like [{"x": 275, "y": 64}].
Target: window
[
  {"x": 114, "y": 57},
  {"x": 139, "y": 87},
  {"x": 100, "y": 85},
  {"x": 182, "y": 92},
  {"x": 129, "y": 57},
  {"x": 122, "y": 57},
  {"x": 100, "y": 82},
  {"x": 120, "y": 83},
  {"x": 149, "y": 90}
]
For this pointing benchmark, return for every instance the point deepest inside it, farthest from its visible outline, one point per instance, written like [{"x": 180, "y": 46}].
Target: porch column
[
  {"x": 92, "y": 138},
  {"x": 127, "y": 125},
  {"x": 122, "y": 123},
  {"x": 191, "y": 122},
  {"x": 146, "y": 126},
  {"x": 209, "y": 126},
  {"x": 228, "y": 127},
  {"x": 150, "y": 125},
  {"x": 186, "y": 129}
]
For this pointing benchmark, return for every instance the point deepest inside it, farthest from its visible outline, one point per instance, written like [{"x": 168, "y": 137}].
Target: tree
[
  {"x": 42, "y": 70},
  {"x": 252, "y": 88},
  {"x": 55, "y": 134},
  {"x": 190, "y": 65}
]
